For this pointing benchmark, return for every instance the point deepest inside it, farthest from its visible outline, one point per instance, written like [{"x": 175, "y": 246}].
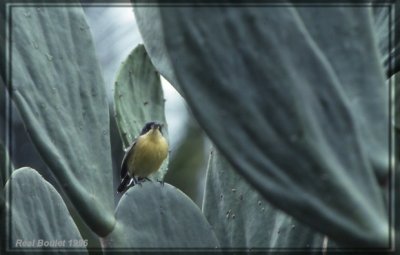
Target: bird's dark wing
[
  {"x": 124, "y": 167},
  {"x": 123, "y": 185}
]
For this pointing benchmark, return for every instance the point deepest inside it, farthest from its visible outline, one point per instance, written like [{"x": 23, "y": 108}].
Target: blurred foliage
[{"x": 189, "y": 161}]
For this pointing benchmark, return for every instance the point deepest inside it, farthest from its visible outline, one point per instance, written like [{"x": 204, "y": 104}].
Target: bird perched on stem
[{"x": 144, "y": 156}]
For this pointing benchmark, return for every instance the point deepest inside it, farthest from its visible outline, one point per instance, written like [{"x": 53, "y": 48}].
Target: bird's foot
[
  {"x": 161, "y": 182},
  {"x": 136, "y": 181},
  {"x": 143, "y": 179}
]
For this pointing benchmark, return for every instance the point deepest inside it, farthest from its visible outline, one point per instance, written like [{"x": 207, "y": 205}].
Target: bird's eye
[{"x": 146, "y": 128}]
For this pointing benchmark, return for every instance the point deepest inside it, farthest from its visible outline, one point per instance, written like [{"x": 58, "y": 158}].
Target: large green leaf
[
  {"x": 37, "y": 214},
  {"x": 267, "y": 85},
  {"x": 59, "y": 91},
  {"x": 367, "y": 95},
  {"x": 138, "y": 98},
  {"x": 242, "y": 218},
  {"x": 152, "y": 33},
  {"x": 159, "y": 216}
]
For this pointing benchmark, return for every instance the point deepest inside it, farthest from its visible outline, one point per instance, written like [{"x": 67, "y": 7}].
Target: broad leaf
[
  {"x": 152, "y": 33},
  {"x": 242, "y": 218},
  {"x": 38, "y": 218},
  {"x": 59, "y": 91},
  {"x": 155, "y": 215},
  {"x": 268, "y": 87}
]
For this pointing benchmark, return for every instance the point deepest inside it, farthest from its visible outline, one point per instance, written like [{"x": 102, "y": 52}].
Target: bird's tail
[{"x": 124, "y": 183}]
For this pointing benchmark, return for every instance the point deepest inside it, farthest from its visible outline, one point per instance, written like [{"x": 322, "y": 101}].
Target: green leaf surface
[
  {"x": 367, "y": 94},
  {"x": 59, "y": 91},
  {"x": 37, "y": 213},
  {"x": 152, "y": 215},
  {"x": 268, "y": 87},
  {"x": 242, "y": 218},
  {"x": 138, "y": 99},
  {"x": 152, "y": 34},
  {"x": 186, "y": 170}
]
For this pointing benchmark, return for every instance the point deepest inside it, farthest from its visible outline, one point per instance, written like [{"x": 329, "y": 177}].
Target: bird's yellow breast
[{"x": 150, "y": 151}]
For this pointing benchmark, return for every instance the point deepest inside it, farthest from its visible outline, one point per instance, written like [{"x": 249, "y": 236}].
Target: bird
[{"x": 144, "y": 156}]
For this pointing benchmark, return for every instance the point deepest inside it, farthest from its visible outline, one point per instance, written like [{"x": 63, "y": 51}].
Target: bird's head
[{"x": 152, "y": 126}]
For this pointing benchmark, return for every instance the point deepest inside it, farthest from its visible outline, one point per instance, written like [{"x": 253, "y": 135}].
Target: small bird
[{"x": 144, "y": 156}]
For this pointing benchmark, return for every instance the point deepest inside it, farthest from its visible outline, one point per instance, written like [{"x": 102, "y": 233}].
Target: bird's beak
[{"x": 157, "y": 126}]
